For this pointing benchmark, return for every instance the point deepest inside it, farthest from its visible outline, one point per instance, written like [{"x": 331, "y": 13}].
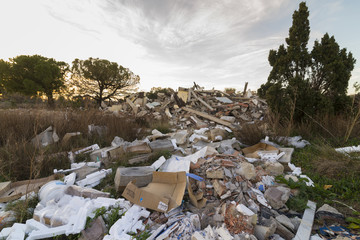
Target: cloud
[
  {"x": 172, "y": 43},
  {"x": 217, "y": 39}
]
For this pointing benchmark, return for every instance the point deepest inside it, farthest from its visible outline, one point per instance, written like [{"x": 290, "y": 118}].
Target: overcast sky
[{"x": 172, "y": 43}]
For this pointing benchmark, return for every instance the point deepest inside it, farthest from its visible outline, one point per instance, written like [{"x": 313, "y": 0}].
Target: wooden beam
[
  {"x": 202, "y": 101},
  {"x": 207, "y": 116},
  {"x": 132, "y": 105},
  {"x": 189, "y": 95},
  {"x": 245, "y": 88}
]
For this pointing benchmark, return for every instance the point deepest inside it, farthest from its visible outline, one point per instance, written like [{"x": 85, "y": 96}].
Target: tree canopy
[
  {"x": 101, "y": 79},
  {"x": 31, "y": 75},
  {"x": 303, "y": 82}
]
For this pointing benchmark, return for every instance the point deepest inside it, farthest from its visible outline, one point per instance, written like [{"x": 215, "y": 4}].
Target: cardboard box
[
  {"x": 164, "y": 193},
  {"x": 252, "y": 152}
]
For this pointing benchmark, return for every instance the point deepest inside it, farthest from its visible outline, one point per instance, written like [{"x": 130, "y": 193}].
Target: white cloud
[{"x": 168, "y": 43}]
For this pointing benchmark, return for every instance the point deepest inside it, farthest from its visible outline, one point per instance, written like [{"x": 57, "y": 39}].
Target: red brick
[{"x": 227, "y": 163}]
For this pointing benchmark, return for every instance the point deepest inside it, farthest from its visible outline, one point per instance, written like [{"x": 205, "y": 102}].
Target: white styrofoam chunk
[
  {"x": 50, "y": 232},
  {"x": 244, "y": 210},
  {"x": 128, "y": 223},
  {"x": 70, "y": 179},
  {"x": 32, "y": 224},
  {"x": 94, "y": 179},
  {"x": 157, "y": 164},
  {"x": 17, "y": 232},
  {"x": 5, "y": 232}
]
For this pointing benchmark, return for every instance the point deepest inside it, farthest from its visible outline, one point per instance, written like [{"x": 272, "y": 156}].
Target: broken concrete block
[
  {"x": 262, "y": 232},
  {"x": 180, "y": 136},
  {"x": 326, "y": 212},
  {"x": 74, "y": 190},
  {"x": 274, "y": 168},
  {"x": 219, "y": 173},
  {"x": 140, "y": 148},
  {"x": 284, "y": 220},
  {"x": 284, "y": 232},
  {"x": 115, "y": 152},
  {"x": 142, "y": 175},
  {"x": 296, "y": 222},
  {"x": 219, "y": 188},
  {"x": 230, "y": 119},
  {"x": 161, "y": 145},
  {"x": 246, "y": 170},
  {"x": 139, "y": 158},
  {"x": 277, "y": 196}
]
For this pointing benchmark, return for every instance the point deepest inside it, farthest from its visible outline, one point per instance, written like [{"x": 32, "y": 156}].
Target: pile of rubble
[
  {"x": 184, "y": 107},
  {"x": 212, "y": 186}
]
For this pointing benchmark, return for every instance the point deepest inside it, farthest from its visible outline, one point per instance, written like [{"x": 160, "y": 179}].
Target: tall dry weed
[{"x": 20, "y": 160}]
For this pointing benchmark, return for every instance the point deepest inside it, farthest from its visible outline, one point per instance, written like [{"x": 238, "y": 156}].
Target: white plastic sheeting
[{"x": 178, "y": 164}]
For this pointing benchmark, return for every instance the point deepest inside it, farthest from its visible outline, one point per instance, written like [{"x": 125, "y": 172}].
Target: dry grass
[
  {"x": 329, "y": 129},
  {"x": 19, "y": 159},
  {"x": 327, "y": 162},
  {"x": 250, "y": 134}
]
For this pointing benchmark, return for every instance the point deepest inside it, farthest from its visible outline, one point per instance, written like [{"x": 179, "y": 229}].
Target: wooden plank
[
  {"x": 163, "y": 106},
  {"x": 224, "y": 93},
  {"x": 189, "y": 95},
  {"x": 245, "y": 88},
  {"x": 207, "y": 116},
  {"x": 202, "y": 101},
  {"x": 304, "y": 231},
  {"x": 132, "y": 105}
]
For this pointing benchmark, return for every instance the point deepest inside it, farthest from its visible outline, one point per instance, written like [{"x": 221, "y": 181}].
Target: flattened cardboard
[
  {"x": 15, "y": 190},
  {"x": 164, "y": 193},
  {"x": 252, "y": 152}
]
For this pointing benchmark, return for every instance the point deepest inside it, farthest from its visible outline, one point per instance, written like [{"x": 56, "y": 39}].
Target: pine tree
[{"x": 302, "y": 83}]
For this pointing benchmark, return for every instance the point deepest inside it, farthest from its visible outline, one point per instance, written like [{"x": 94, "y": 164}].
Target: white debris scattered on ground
[
  {"x": 130, "y": 222},
  {"x": 295, "y": 141},
  {"x": 346, "y": 150}
]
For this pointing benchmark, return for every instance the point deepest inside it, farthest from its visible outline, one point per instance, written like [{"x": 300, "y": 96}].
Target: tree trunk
[
  {"x": 100, "y": 97},
  {"x": 51, "y": 101}
]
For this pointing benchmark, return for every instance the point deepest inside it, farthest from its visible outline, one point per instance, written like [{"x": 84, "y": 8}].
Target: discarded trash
[
  {"x": 164, "y": 193},
  {"x": 47, "y": 137}
]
